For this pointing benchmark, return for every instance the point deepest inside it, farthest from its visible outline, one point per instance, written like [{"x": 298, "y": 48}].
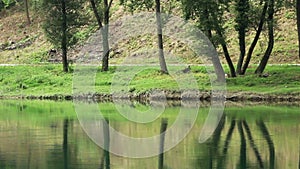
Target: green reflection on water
[{"x": 47, "y": 134}]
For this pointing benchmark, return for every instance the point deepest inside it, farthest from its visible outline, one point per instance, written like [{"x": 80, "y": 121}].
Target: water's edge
[{"x": 168, "y": 95}]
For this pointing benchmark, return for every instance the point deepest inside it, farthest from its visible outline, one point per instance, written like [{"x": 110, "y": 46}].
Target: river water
[{"x": 48, "y": 135}]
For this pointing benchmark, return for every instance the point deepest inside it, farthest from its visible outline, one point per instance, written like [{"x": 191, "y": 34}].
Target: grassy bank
[{"x": 45, "y": 80}]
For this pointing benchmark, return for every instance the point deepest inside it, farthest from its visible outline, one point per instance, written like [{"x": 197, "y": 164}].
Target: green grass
[
  {"x": 281, "y": 80},
  {"x": 45, "y": 80}
]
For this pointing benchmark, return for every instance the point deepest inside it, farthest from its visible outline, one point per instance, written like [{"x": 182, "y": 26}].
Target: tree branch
[{"x": 109, "y": 5}]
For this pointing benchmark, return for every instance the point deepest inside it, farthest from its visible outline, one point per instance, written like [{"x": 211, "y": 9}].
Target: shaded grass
[{"x": 283, "y": 79}]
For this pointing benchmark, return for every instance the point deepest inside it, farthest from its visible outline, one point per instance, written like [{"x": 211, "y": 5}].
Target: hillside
[{"x": 21, "y": 43}]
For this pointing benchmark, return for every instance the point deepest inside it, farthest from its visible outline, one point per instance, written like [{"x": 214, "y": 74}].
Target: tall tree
[
  {"x": 162, "y": 62},
  {"x": 64, "y": 35},
  {"x": 62, "y": 21},
  {"x": 256, "y": 38},
  {"x": 242, "y": 20},
  {"x": 134, "y": 5},
  {"x": 103, "y": 24},
  {"x": 27, "y": 12},
  {"x": 298, "y": 22},
  {"x": 209, "y": 17},
  {"x": 262, "y": 65}
]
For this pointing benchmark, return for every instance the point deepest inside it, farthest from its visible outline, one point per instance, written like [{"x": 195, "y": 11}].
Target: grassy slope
[
  {"x": 49, "y": 80},
  {"x": 14, "y": 29}
]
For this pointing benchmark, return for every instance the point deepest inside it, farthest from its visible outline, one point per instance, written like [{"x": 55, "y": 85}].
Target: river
[{"x": 48, "y": 135}]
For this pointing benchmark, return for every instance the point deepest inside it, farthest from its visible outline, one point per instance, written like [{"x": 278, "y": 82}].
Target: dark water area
[{"x": 48, "y": 135}]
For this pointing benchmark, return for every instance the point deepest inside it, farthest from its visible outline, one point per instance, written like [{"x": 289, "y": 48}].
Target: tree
[
  {"x": 62, "y": 21},
  {"x": 256, "y": 38},
  {"x": 298, "y": 22},
  {"x": 162, "y": 62},
  {"x": 242, "y": 20},
  {"x": 27, "y": 12},
  {"x": 148, "y": 4},
  {"x": 209, "y": 17},
  {"x": 104, "y": 11},
  {"x": 261, "y": 67}
]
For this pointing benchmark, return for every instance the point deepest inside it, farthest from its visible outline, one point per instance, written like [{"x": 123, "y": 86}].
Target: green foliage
[
  {"x": 53, "y": 21},
  {"x": 242, "y": 8},
  {"x": 7, "y": 3},
  {"x": 1, "y": 5},
  {"x": 133, "y": 5},
  {"x": 208, "y": 16}
]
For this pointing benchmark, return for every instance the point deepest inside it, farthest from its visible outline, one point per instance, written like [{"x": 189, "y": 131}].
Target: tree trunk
[
  {"x": 242, "y": 8},
  {"x": 162, "y": 62},
  {"x": 208, "y": 27},
  {"x": 260, "y": 69},
  {"x": 27, "y": 12},
  {"x": 229, "y": 61},
  {"x": 226, "y": 54},
  {"x": 105, "y": 36},
  {"x": 242, "y": 44},
  {"x": 256, "y": 38},
  {"x": 64, "y": 36},
  {"x": 98, "y": 18},
  {"x": 298, "y": 22}
]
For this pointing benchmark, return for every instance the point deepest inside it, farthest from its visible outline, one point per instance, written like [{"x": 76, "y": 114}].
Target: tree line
[{"x": 64, "y": 18}]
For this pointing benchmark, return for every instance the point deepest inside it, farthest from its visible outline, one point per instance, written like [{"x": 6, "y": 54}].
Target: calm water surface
[{"x": 47, "y": 135}]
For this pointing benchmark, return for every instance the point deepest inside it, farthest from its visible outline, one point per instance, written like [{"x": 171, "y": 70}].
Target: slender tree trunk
[
  {"x": 27, "y": 12},
  {"x": 162, "y": 61},
  {"x": 256, "y": 38},
  {"x": 242, "y": 44},
  {"x": 208, "y": 31},
  {"x": 98, "y": 18},
  {"x": 261, "y": 67},
  {"x": 64, "y": 36},
  {"x": 215, "y": 59},
  {"x": 105, "y": 48},
  {"x": 298, "y": 22},
  {"x": 105, "y": 36},
  {"x": 227, "y": 56},
  {"x": 242, "y": 8},
  {"x": 229, "y": 61}
]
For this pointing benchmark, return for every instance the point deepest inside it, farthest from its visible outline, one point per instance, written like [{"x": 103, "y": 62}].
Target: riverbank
[
  {"x": 169, "y": 95},
  {"x": 279, "y": 83}
]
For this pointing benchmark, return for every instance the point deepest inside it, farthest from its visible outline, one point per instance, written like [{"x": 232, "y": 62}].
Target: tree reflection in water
[{"x": 214, "y": 154}]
